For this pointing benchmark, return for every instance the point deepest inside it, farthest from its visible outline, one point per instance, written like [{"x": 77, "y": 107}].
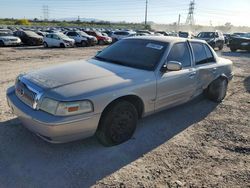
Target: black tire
[
  {"x": 217, "y": 90},
  {"x": 1, "y": 43},
  {"x": 101, "y": 42},
  {"x": 221, "y": 46},
  {"x": 62, "y": 45},
  {"x": 45, "y": 45},
  {"x": 84, "y": 43},
  {"x": 233, "y": 49},
  {"x": 117, "y": 124}
]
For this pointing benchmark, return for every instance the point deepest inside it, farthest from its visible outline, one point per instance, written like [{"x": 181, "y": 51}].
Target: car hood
[
  {"x": 83, "y": 77},
  {"x": 8, "y": 37},
  {"x": 206, "y": 39}
]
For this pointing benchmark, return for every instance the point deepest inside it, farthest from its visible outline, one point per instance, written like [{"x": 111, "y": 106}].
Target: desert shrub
[{"x": 22, "y": 22}]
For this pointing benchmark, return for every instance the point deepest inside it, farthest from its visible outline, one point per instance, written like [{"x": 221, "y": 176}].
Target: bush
[{"x": 22, "y": 22}]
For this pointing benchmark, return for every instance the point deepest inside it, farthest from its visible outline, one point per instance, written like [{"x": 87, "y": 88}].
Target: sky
[{"x": 207, "y": 12}]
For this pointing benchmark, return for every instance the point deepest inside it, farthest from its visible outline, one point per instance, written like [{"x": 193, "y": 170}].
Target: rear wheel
[
  {"x": 84, "y": 43},
  {"x": 233, "y": 49},
  {"x": 1, "y": 43},
  {"x": 117, "y": 123},
  {"x": 217, "y": 90}
]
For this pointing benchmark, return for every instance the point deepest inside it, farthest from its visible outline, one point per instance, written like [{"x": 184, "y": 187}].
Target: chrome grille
[{"x": 25, "y": 94}]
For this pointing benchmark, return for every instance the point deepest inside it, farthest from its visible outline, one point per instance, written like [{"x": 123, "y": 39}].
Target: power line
[{"x": 45, "y": 12}]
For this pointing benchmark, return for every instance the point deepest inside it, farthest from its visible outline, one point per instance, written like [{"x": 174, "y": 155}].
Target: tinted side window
[
  {"x": 210, "y": 56},
  {"x": 199, "y": 53},
  {"x": 70, "y": 34},
  {"x": 180, "y": 53}
]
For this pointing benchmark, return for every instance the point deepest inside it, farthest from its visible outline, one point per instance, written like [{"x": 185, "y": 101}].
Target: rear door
[
  {"x": 176, "y": 87},
  {"x": 205, "y": 64}
]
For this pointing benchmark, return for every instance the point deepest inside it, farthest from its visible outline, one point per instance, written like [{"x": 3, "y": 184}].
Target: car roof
[{"x": 167, "y": 39}]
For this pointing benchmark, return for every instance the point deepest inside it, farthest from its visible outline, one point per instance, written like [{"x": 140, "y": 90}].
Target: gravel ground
[{"x": 198, "y": 144}]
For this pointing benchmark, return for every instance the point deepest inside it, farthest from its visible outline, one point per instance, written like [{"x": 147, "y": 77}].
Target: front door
[{"x": 176, "y": 87}]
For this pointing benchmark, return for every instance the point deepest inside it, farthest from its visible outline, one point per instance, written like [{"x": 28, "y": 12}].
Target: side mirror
[
  {"x": 172, "y": 66},
  {"x": 98, "y": 52}
]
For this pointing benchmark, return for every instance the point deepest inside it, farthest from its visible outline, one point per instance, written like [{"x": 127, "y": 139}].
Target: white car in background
[
  {"x": 82, "y": 38},
  {"x": 118, "y": 35},
  {"x": 58, "y": 40},
  {"x": 7, "y": 39}
]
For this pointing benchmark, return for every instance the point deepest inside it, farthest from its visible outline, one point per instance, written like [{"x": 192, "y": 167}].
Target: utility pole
[
  {"x": 179, "y": 21},
  {"x": 190, "y": 16},
  {"x": 146, "y": 13},
  {"x": 45, "y": 12}
]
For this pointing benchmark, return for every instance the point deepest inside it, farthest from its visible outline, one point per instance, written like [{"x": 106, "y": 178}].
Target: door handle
[
  {"x": 192, "y": 75},
  {"x": 214, "y": 70}
]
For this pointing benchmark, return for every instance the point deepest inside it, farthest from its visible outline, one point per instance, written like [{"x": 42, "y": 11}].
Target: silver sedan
[{"x": 107, "y": 94}]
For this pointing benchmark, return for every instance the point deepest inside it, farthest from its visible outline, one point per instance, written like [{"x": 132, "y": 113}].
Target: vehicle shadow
[
  {"x": 27, "y": 161},
  {"x": 35, "y": 48},
  {"x": 247, "y": 84}
]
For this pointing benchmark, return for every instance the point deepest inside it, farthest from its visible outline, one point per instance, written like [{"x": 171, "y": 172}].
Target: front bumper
[
  {"x": 12, "y": 43},
  {"x": 241, "y": 45},
  {"x": 51, "y": 128},
  {"x": 69, "y": 44}
]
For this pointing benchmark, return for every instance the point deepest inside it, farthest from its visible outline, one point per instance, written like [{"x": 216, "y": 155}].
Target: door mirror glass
[
  {"x": 173, "y": 66},
  {"x": 98, "y": 52}
]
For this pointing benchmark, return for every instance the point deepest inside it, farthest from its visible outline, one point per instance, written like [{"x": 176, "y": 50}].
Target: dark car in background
[
  {"x": 239, "y": 42},
  {"x": 226, "y": 37},
  {"x": 184, "y": 34},
  {"x": 214, "y": 39},
  {"x": 29, "y": 37}
]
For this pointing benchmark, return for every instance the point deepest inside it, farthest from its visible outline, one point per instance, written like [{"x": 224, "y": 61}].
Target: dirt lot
[{"x": 198, "y": 144}]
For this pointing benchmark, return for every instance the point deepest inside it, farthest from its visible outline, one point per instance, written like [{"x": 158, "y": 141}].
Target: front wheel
[
  {"x": 1, "y": 43},
  {"x": 101, "y": 42},
  {"x": 233, "y": 49},
  {"x": 221, "y": 46},
  {"x": 217, "y": 90},
  {"x": 62, "y": 45},
  {"x": 45, "y": 45},
  {"x": 117, "y": 123}
]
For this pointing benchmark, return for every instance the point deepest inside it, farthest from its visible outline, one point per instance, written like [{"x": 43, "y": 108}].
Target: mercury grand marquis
[{"x": 107, "y": 94}]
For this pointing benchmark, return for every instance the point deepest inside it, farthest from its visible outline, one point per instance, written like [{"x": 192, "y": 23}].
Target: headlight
[{"x": 66, "y": 108}]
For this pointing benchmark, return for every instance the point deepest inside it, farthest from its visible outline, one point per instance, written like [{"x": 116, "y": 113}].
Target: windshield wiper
[{"x": 110, "y": 60}]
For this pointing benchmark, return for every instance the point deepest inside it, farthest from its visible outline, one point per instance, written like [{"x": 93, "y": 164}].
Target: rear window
[
  {"x": 206, "y": 35},
  {"x": 137, "y": 53}
]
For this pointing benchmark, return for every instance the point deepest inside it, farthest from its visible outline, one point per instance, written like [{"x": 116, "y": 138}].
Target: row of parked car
[{"x": 70, "y": 37}]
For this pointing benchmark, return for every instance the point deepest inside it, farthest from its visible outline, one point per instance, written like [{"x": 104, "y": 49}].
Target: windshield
[
  {"x": 206, "y": 35},
  {"x": 137, "y": 53},
  {"x": 247, "y": 35},
  {"x": 32, "y": 34},
  {"x": 82, "y": 33},
  {"x": 62, "y": 36},
  {"x": 98, "y": 33},
  {"x": 183, "y": 35}
]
